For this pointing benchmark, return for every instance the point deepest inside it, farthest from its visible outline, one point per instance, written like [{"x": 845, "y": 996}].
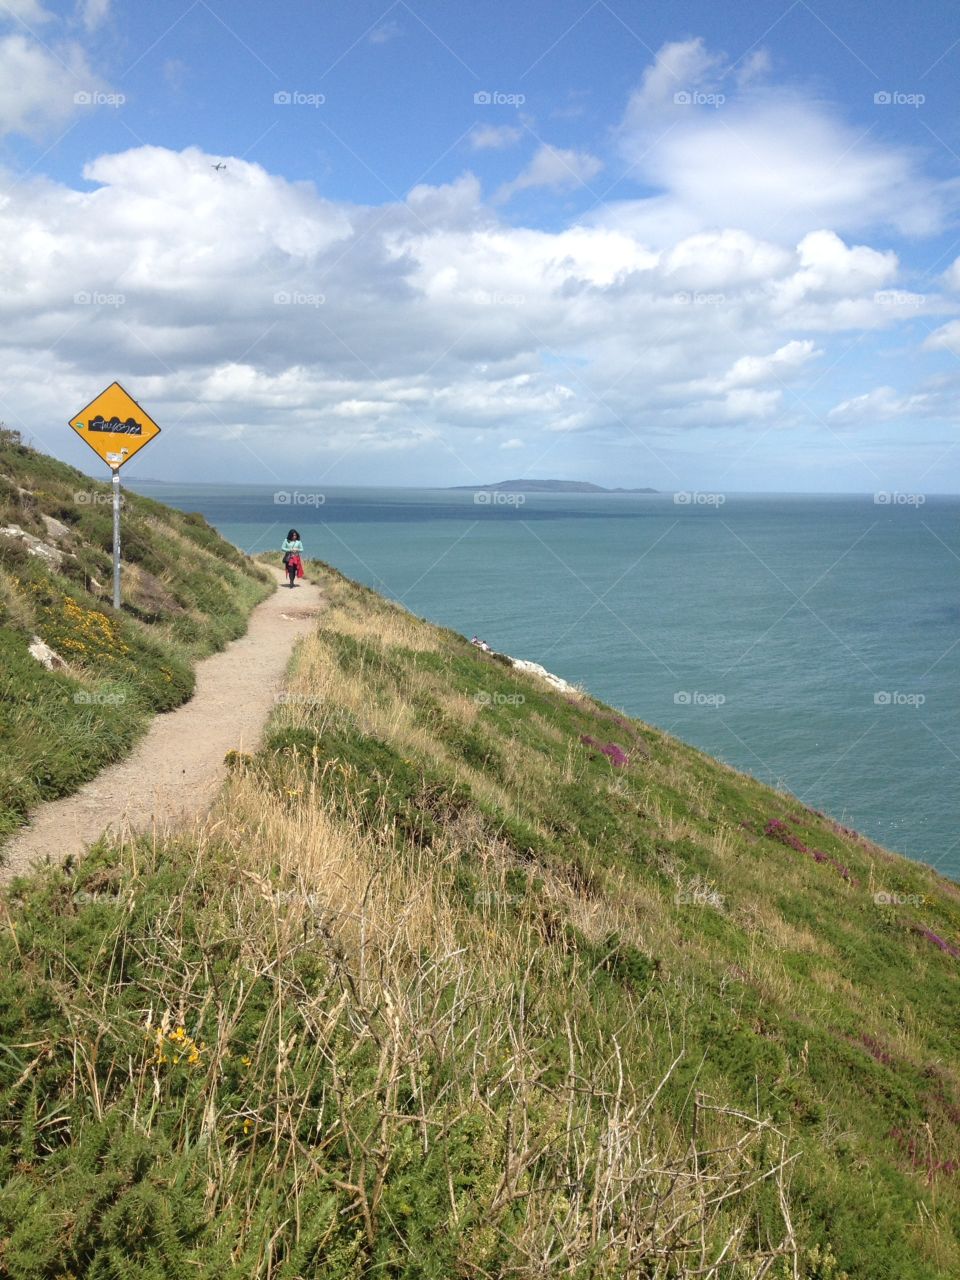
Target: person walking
[{"x": 293, "y": 557}]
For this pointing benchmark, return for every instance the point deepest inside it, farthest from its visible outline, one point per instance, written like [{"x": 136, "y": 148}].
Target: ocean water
[{"x": 813, "y": 641}]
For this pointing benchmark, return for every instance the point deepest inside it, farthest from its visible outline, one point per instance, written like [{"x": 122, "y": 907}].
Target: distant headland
[{"x": 546, "y": 486}]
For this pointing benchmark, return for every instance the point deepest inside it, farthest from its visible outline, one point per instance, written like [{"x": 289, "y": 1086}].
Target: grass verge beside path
[{"x": 186, "y": 594}]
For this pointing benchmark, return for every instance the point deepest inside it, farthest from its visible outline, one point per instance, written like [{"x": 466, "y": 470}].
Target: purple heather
[{"x": 616, "y": 755}]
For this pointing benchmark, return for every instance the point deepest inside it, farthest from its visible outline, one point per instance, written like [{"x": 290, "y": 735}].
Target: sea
[{"x": 810, "y": 640}]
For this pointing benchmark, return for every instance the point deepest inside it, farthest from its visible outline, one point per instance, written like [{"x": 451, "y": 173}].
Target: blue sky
[{"x": 710, "y": 246}]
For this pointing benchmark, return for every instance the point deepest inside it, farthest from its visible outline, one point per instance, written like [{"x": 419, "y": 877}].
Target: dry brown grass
[
  {"x": 15, "y": 607},
  {"x": 442, "y": 996}
]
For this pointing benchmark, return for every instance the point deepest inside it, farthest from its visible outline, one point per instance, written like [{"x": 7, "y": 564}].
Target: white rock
[
  {"x": 46, "y": 656},
  {"x": 535, "y": 669},
  {"x": 51, "y": 555},
  {"x": 56, "y": 529}
]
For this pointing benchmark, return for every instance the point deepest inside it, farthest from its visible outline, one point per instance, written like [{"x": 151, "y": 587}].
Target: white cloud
[
  {"x": 715, "y": 259},
  {"x": 678, "y": 68},
  {"x": 174, "y": 73},
  {"x": 25, "y": 10},
  {"x": 751, "y": 389},
  {"x": 946, "y": 338},
  {"x": 882, "y": 404},
  {"x": 783, "y": 363},
  {"x": 362, "y": 408},
  {"x": 385, "y": 32},
  {"x": 453, "y": 204},
  {"x": 94, "y": 13},
  {"x": 554, "y": 168},
  {"x": 248, "y": 307},
  {"x": 249, "y": 303},
  {"x": 492, "y": 137},
  {"x": 772, "y": 160},
  {"x": 38, "y": 88},
  {"x": 755, "y": 66},
  {"x": 828, "y": 265},
  {"x": 746, "y": 403}
]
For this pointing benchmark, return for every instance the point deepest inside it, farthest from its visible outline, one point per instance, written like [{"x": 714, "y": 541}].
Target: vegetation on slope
[
  {"x": 186, "y": 593},
  {"x": 470, "y": 978}
]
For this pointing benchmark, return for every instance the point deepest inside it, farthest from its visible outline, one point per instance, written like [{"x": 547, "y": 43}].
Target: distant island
[{"x": 546, "y": 486}]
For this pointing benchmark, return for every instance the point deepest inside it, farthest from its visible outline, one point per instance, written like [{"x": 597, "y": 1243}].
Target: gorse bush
[{"x": 108, "y": 645}]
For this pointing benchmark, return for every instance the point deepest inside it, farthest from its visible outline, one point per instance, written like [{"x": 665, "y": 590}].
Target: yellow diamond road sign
[{"x": 114, "y": 426}]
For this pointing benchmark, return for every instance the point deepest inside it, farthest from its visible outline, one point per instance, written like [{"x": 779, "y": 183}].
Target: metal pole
[{"x": 116, "y": 539}]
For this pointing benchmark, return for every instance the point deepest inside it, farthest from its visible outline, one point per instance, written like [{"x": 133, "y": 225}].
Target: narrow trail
[{"x": 174, "y": 772}]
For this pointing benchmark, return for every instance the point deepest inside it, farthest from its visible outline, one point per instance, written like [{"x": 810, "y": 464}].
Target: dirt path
[{"x": 175, "y": 770}]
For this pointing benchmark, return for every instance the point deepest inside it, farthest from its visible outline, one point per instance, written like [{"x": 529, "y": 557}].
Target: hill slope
[
  {"x": 471, "y": 978},
  {"x": 186, "y": 593}
]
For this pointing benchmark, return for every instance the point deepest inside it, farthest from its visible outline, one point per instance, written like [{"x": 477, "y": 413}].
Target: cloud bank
[{"x": 243, "y": 306}]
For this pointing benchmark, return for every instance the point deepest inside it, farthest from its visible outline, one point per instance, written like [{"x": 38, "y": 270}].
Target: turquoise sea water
[{"x": 813, "y": 641}]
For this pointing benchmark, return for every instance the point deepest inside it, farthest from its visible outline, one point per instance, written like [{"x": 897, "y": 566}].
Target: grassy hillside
[
  {"x": 186, "y": 593},
  {"x": 469, "y": 978}
]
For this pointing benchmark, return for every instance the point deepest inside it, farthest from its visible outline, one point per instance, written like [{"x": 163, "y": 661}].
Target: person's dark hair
[{"x": 293, "y": 535}]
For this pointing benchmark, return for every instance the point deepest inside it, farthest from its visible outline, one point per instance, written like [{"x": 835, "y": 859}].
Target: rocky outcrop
[
  {"x": 535, "y": 669},
  {"x": 52, "y": 556},
  {"x": 56, "y": 529}
]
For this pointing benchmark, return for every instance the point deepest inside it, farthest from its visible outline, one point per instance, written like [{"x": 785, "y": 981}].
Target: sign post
[
  {"x": 116, "y": 539},
  {"x": 115, "y": 427}
]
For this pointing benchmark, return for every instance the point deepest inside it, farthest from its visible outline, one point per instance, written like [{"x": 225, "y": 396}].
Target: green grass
[
  {"x": 442, "y": 991},
  {"x": 186, "y": 593}
]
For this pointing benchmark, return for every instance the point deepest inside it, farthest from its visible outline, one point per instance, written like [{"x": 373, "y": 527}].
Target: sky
[{"x": 696, "y": 246}]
